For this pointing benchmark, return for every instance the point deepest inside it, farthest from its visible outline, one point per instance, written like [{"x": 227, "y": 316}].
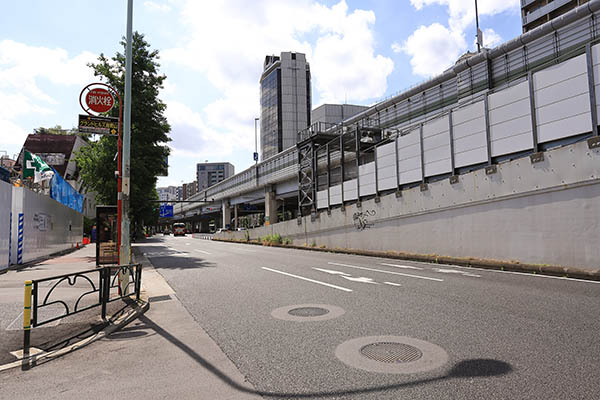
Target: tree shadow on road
[
  {"x": 163, "y": 257},
  {"x": 470, "y": 368}
]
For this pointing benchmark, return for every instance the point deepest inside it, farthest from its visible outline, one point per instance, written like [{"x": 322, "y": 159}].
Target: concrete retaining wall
[{"x": 542, "y": 213}]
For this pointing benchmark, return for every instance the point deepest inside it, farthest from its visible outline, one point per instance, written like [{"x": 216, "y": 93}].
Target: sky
[{"x": 212, "y": 52}]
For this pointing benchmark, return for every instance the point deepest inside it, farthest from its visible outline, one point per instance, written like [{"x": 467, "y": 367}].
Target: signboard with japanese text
[
  {"x": 99, "y": 100},
  {"x": 98, "y": 125}
]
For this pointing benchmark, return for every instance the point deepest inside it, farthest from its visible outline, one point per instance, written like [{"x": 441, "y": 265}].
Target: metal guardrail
[{"x": 102, "y": 284}]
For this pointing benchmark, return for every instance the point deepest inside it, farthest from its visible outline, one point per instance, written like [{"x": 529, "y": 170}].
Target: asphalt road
[{"x": 482, "y": 334}]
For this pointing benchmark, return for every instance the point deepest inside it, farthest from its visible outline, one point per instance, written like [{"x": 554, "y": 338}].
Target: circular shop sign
[{"x": 99, "y": 100}]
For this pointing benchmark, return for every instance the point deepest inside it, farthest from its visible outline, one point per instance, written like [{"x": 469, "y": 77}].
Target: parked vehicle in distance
[
  {"x": 167, "y": 232},
  {"x": 179, "y": 229},
  {"x": 242, "y": 229}
]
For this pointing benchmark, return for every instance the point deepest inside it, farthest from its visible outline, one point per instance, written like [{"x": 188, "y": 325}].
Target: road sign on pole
[{"x": 166, "y": 210}]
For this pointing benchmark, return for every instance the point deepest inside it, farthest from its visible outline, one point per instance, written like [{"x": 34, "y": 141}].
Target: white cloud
[
  {"x": 227, "y": 43},
  {"x": 425, "y": 45},
  {"x": 432, "y": 49},
  {"x": 22, "y": 69},
  {"x": 151, "y": 5}
]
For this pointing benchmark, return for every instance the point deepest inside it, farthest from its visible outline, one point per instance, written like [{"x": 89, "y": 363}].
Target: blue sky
[{"x": 212, "y": 53}]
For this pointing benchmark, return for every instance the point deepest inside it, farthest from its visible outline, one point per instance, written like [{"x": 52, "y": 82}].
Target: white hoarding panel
[
  {"x": 596, "y": 72},
  {"x": 366, "y": 174},
  {"x": 335, "y": 194},
  {"x": 386, "y": 166},
  {"x": 510, "y": 120},
  {"x": 44, "y": 226},
  {"x": 436, "y": 146},
  {"x": 350, "y": 190},
  {"x": 468, "y": 125},
  {"x": 409, "y": 157},
  {"x": 322, "y": 199},
  {"x": 562, "y": 100},
  {"x": 5, "y": 223}
]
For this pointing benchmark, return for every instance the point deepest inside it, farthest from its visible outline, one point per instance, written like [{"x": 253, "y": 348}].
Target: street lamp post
[
  {"x": 479, "y": 33},
  {"x": 255, "y": 141}
]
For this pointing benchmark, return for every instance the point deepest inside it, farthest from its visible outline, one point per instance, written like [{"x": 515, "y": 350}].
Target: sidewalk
[
  {"x": 58, "y": 334},
  {"x": 164, "y": 354}
]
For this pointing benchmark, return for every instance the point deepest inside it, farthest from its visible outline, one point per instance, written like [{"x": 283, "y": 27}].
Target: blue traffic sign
[{"x": 166, "y": 210}]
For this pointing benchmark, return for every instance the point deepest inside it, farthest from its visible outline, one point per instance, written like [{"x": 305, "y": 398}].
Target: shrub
[{"x": 271, "y": 239}]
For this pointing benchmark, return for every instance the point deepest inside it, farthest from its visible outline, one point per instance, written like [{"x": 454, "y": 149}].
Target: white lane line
[
  {"x": 453, "y": 271},
  {"x": 187, "y": 244},
  {"x": 400, "y": 266},
  {"x": 330, "y": 271},
  {"x": 528, "y": 274},
  {"x": 308, "y": 280},
  {"x": 392, "y": 283},
  {"x": 388, "y": 272},
  {"x": 202, "y": 251}
]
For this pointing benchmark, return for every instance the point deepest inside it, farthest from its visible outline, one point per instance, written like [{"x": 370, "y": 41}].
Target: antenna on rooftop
[{"x": 479, "y": 33}]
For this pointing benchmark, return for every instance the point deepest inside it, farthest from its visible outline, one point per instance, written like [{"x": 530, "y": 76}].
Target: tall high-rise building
[
  {"x": 285, "y": 101},
  {"x": 208, "y": 174},
  {"x": 537, "y": 12}
]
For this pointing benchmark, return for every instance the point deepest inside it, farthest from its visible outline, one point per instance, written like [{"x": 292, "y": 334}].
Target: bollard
[{"x": 26, "y": 325}]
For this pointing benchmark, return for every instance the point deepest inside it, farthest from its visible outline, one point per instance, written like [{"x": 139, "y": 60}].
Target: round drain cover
[
  {"x": 390, "y": 352},
  {"x": 308, "y": 311}
]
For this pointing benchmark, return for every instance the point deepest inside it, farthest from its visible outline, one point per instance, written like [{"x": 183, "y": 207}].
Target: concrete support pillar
[
  {"x": 270, "y": 207},
  {"x": 226, "y": 213},
  {"x": 236, "y": 223}
]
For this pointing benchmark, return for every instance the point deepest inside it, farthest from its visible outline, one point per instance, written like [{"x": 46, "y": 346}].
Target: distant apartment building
[
  {"x": 285, "y": 101},
  {"x": 537, "y": 12},
  {"x": 208, "y": 174},
  {"x": 335, "y": 113},
  {"x": 188, "y": 190},
  {"x": 168, "y": 193}
]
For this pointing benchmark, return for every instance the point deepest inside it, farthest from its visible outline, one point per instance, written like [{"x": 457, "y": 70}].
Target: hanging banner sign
[{"x": 98, "y": 125}]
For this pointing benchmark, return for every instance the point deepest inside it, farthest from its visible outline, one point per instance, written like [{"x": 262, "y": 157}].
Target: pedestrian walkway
[
  {"x": 62, "y": 332},
  {"x": 164, "y": 354}
]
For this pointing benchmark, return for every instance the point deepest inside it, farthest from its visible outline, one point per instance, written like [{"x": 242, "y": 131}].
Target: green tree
[{"x": 149, "y": 133}]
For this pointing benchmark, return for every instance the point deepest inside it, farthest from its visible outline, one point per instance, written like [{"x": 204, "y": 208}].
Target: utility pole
[
  {"x": 479, "y": 33},
  {"x": 125, "y": 245}
]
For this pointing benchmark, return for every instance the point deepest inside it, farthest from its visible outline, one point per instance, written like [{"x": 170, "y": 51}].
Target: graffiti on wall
[{"x": 361, "y": 219}]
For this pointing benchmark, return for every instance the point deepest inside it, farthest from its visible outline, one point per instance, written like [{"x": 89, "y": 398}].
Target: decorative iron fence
[{"x": 102, "y": 284}]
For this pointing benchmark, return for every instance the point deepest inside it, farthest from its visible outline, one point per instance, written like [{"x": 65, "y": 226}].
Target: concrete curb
[
  {"x": 552, "y": 270},
  {"x": 113, "y": 326}
]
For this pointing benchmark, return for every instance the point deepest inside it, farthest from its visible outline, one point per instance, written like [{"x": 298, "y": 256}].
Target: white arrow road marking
[
  {"x": 453, "y": 271},
  {"x": 392, "y": 284},
  {"x": 400, "y": 266},
  {"x": 388, "y": 272},
  {"x": 308, "y": 280},
  {"x": 329, "y": 271},
  {"x": 362, "y": 279},
  {"x": 202, "y": 251}
]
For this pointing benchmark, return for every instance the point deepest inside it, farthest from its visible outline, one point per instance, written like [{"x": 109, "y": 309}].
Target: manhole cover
[
  {"x": 308, "y": 311},
  {"x": 389, "y": 352}
]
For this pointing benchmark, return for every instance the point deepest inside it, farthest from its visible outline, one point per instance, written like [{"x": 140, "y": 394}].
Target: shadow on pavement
[
  {"x": 165, "y": 258},
  {"x": 470, "y": 368}
]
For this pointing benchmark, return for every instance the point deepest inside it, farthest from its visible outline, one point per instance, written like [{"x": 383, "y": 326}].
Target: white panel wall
[
  {"x": 470, "y": 145},
  {"x": 367, "y": 179},
  {"x": 409, "y": 157},
  {"x": 596, "y": 72},
  {"x": 350, "y": 190},
  {"x": 386, "y": 166},
  {"x": 49, "y": 226},
  {"x": 5, "y": 221},
  {"x": 335, "y": 194},
  {"x": 322, "y": 199},
  {"x": 562, "y": 100},
  {"x": 510, "y": 120},
  {"x": 436, "y": 146}
]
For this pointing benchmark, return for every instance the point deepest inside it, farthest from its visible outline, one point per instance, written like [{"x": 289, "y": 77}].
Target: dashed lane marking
[
  {"x": 308, "y": 279},
  {"x": 392, "y": 284},
  {"x": 388, "y": 272},
  {"x": 401, "y": 266},
  {"x": 202, "y": 251}
]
